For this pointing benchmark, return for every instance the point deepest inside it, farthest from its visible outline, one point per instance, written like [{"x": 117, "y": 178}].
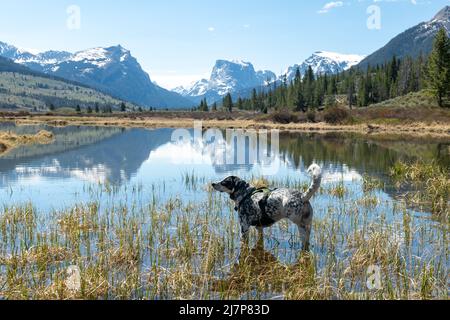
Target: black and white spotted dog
[{"x": 262, "y": 208}]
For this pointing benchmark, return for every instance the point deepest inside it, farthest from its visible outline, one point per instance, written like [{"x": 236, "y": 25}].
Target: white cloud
[
  {"x": 331, "y": 5},
  {"x": 211, "y": 29}
]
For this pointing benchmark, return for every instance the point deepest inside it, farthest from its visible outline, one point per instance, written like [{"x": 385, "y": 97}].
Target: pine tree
[
  {"x": 123, "y": 107},
  {"x": 204, "y": 106},
  {"x": 298, "y": 77},
  {"x": 300, "y": 101},
  {"x": 240, "y": 104},
  {"x": 439, "y": 67},
  {"x": 350, "y": 93},
  {"x": 97, "y": 107},
  {"x": 228, "y": 102},
  {"x": 78, "y": 108},
  {"x": 89, "y": 109},
  {"x": 255, "y": 105}
]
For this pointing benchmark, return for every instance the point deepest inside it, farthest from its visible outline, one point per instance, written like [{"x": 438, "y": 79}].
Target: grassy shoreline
[{"x": 436, "y": 128}]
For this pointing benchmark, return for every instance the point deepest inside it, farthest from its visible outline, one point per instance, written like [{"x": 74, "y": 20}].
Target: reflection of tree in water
[
  {"x": 373, "y": 155},
  {"x": 365, "y": 154}
]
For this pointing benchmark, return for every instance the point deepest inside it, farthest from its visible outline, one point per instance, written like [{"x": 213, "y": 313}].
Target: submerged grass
[{"x": 179, "y": 249}]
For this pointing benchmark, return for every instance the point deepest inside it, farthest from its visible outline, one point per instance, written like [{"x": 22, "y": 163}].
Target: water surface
[{"x": 57, "y": 175}]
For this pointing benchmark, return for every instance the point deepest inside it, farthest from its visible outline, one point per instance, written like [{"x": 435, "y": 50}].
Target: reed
[{"x": 431, "y": 183}]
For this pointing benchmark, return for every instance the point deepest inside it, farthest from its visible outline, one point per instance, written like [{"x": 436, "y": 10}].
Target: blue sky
[{"x": 178, "y": 41}]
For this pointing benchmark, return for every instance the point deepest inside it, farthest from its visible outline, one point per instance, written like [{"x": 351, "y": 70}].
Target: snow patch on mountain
[{"x": 325, "y": 62}]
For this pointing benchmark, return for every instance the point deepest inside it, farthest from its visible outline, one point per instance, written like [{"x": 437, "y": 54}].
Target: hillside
[
  {"x": 22, "y": 88},
  {"x": 421, "y": 99},
  {"x": 413, "y": 42}
]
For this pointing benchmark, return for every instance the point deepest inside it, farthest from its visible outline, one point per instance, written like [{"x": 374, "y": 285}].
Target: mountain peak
[
  {"x": 118, "y": 48},
  {"x": 444, "y": 14},
  {"x": 241, "y": 63},
  {"x": 227, "y": 76}
]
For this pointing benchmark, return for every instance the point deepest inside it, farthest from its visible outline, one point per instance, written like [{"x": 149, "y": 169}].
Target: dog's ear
[
  {"x": 231, "y": 182},
  {"x": 235, "y": 180},
  {"x": 241, "y": 185}
]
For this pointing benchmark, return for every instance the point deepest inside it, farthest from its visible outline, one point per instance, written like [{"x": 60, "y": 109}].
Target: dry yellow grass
[
  {"x": 434, "y": 129},
  {"x": 9, "y": 140}
]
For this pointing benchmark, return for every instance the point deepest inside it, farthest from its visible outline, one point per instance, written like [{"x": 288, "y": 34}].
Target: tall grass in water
[
  {"x": 177, "y": 249},
  {"x": 432, "y": 184}
]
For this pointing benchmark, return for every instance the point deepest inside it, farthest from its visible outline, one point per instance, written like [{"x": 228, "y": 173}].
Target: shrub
[
  {"x": 336, "y": 115},
  {"x": 311, "y": 116},
  {"x": 284, "y": 117}
]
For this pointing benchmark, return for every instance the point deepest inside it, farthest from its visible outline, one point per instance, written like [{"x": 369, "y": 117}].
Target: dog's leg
[
  {"x": 305, "y": 235},
  {"x": 245, "y": 232},
  {"x": 245, "y": 238},
  {"x": 260, "y": 244}
]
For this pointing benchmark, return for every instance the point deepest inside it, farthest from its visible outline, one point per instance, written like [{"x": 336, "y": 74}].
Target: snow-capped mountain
[
  {"x": 323, "y": 62},
  {"x": 112, "y": 70},
  {"x": 226, "y": 77},
  {"x": 413, "y": 42}
]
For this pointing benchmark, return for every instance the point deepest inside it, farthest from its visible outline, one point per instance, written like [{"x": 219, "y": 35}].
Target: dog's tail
[{"x": 316, "y": 174}]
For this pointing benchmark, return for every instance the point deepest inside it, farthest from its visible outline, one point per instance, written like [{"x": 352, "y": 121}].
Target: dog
[{"x": 262, "y": 208}]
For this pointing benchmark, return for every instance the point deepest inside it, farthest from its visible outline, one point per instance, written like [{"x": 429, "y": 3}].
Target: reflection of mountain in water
[{"x": 114, "y": 157}]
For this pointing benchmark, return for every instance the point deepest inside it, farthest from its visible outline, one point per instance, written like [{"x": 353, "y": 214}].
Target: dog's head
[
  {"x": 231, "y": 185},
  {"x": 315, "y": 171}
]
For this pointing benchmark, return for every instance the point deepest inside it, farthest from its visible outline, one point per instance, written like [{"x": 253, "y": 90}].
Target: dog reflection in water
[{"x": 259, "y": 268}]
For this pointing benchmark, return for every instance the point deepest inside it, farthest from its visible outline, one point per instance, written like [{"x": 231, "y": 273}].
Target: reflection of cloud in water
[
  {"x": 335, "y": 174},
  {"x": 95, "y": 174},
  {"x": 178, "y": 154}
]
